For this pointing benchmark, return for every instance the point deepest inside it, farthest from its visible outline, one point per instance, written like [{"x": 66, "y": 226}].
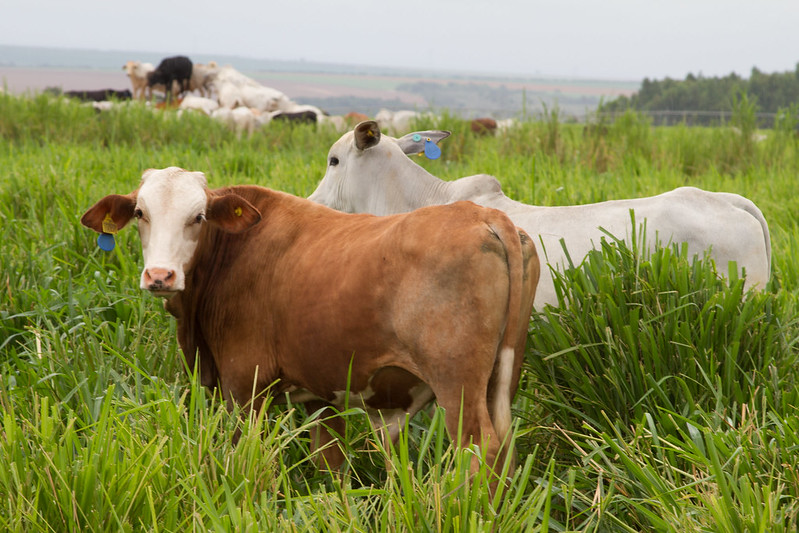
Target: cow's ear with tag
[
  {"x": 232, "y": 213},
  {"x": 110, "y": 214},
  {"x": 414, "y": 143},
  {"x": 367, "y": 134}
]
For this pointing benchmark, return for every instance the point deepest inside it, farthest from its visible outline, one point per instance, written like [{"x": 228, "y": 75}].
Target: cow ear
[
  {"x": 367, "y": 134},
  {"x": 232, "y": 213},
  {"x": 413, "y": 143},
  {"x": 110, "y": 214}
]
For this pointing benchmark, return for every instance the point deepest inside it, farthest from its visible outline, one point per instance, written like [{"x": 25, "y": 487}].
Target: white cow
[
  {"x": 240, "y": 119},
  {"x": 397, "y": 122},
  {"x": 137, "y": 72},
  {"x": 265, "y": 99},
  {"x": 199, "y": 103},
  {"x": 369, "y": 173},
  {"x": 202, "y": 77}
]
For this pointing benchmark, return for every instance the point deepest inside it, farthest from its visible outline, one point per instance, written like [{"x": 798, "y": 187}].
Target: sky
[{"x": 609, "y": 39}]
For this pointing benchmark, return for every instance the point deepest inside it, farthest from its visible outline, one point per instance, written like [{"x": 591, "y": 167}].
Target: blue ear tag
[
  {"x": 431, "y": 150},
  {"x": 106, "y": 242}
]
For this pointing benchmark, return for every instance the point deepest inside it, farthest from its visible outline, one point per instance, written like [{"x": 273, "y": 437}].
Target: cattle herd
[
  {"x": 387, "y": 288},
  {"x": 240, "y": 102}
]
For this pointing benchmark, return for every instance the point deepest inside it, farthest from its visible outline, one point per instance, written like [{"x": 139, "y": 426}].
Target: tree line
[{"x": 770, "y": 93}]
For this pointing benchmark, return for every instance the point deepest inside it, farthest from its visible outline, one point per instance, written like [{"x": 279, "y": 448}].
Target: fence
[{"x": 689, "y": 118}]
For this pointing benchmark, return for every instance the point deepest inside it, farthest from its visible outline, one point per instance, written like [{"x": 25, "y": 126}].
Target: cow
[
  {"x": 369, "y": 173},
  {"x": 353, "y": 118},
  {"x": 137, "y": 72},
  {"x": 298, "y": 117},
  {"x": 202, "y": 77},
  {"x": 483, "y": 126},
  {"x": 99, "y": 95},
  {"x": 171, "y": 70},
  {"x": 277, "y": 294},
  {"x": 399, "y": 121},
  {"x": 199, "y": 103}
]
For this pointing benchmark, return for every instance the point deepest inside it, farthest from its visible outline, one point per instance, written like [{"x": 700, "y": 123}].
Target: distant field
[{"x": 318, "y": 87}]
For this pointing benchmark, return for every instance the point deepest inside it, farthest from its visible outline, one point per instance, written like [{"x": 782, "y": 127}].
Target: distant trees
[{"x": 771, "y": 92}]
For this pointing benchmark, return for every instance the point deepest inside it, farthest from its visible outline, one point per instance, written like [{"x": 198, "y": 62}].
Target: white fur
[
  {"x": 170, "y": 200},
  {"x": 382, "y": 180}
]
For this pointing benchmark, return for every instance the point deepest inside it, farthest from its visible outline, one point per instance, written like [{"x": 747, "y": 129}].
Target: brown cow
[
  {"x": 484, "y": 126},
  {"x": 394, "y": 311},
  {"x": 353, "y": 117}
]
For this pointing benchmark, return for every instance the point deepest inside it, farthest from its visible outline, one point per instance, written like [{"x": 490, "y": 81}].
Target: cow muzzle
[{"x": 159, "y": 280}]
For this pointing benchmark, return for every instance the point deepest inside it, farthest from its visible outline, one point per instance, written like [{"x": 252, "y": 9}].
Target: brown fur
[
  {"x": 319, "y": 299},
  {"x": 484, "y": 126}
]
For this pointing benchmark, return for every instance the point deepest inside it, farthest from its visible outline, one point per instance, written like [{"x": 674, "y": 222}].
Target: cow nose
[{"x": 159, "y": 279}]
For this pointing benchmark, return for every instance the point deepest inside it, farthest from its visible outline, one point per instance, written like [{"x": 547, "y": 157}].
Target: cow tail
[{"x": 523, "y": 277}]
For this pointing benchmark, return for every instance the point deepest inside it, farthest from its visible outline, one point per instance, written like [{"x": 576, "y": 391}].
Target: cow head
[
  {"x": 171, "y": 206},
  {"x": 367, "y": 170}
]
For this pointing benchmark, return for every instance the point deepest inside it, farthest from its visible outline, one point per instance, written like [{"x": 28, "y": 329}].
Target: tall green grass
[{"x": 655, "y": 398}]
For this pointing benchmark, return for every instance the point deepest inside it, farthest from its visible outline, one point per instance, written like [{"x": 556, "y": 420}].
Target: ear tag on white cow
[
  {"x": 431, "y": 150},
  {"x": 106, "y": 239}
]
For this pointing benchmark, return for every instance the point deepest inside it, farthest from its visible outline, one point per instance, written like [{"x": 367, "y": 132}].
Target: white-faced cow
[
  {"x": 369, "y": 173},
  {"x": 270, "y": 288}
]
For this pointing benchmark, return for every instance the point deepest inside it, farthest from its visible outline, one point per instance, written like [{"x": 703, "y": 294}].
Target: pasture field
[{"x": 656, "y": 398}]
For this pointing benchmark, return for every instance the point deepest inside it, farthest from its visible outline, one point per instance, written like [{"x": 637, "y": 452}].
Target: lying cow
[
  {"x": 395, "y": 310},
  {"x": 100, "y": 95},
  {"x": 368, "y": 173},
  {"x": 300, "y": 117}
]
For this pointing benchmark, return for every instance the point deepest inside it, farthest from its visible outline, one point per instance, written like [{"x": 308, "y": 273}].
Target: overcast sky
[{"x": 610, "y": 39}]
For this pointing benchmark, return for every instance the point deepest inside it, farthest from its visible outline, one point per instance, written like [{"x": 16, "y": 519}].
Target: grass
[{"x": 655, "y": 398}]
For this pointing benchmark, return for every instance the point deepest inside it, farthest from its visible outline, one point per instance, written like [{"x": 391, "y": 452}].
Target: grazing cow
[
  {"x": 484, "y": 126},
  {"x": 278, "y": 294},
  {"x": 99, "y": 95},
  {"x": 367, "y": 173},
  {"x": 172, "y": 70}
]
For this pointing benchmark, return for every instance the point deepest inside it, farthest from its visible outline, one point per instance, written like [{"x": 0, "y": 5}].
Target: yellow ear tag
[
  {"x": 108, "y": 225},
  {"x": 237, "y": 211},
  {"x": 106, "y": 239}
]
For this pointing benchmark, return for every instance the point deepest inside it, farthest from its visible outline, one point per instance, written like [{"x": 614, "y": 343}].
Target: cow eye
[
  {"x": 138, "y": 213},
  {"x": 199, "y": 218},
  {"x": 333, "y": 161}
]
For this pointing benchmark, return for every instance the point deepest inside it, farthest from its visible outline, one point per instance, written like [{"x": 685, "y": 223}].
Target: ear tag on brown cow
[
  {"x": 431, "y": 150},
  {"x": 237, "y": 211},
  {"x": 106, "y": 242},
  {"x": 109, "y": 226},
  {"x": 106, "y": 239}
]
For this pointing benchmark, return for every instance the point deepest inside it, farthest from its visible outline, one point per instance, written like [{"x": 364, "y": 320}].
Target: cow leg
[
  {"x": 473, "y": 420},
  {"x": 330, "y": 456}
]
